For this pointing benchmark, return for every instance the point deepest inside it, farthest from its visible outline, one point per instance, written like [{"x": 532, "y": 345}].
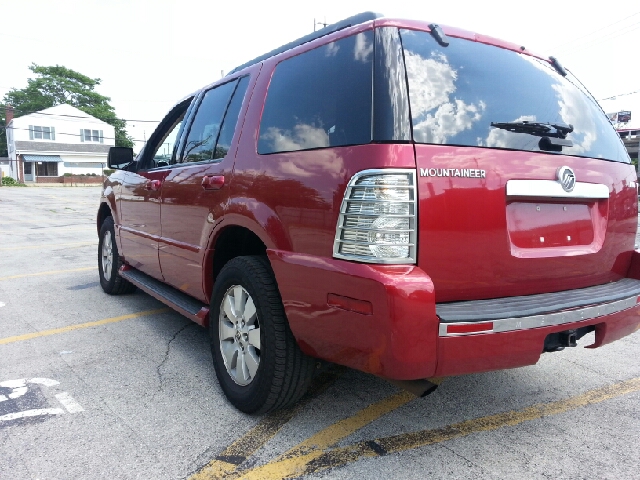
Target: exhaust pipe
[{"x": 420, "y": 388}]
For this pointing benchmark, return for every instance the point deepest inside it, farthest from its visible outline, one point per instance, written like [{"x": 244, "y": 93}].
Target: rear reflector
[
  {"x": 470, "y": 327},
  {"x": 351, "y": 304}
]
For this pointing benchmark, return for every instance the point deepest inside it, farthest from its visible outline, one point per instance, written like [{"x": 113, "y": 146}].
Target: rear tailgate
[
  {"x": 492, "y": 127},
  {"x": 479, "y": 239}
]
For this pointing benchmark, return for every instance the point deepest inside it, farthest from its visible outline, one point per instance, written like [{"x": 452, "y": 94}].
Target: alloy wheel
[
  {"x": 239, "y": 332},
  {"x": 107, "y": 256}
]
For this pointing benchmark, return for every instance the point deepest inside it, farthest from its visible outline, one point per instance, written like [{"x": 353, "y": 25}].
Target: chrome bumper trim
[{"x": 550, "y": 319}]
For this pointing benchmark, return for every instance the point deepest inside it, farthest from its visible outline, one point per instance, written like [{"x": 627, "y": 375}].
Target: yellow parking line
[
  {"x": 27, "y": 247},
  {"x": 226, "y": 463},
  {"x": 294, "y": 461},
  {"x": 332, "y": 458},
  {"x": 50, "y": 272},
  {"x": 69, "y": 328}
]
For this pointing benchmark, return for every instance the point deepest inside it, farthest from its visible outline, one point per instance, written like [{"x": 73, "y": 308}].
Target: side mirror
[{"x": 119, "y": 157}]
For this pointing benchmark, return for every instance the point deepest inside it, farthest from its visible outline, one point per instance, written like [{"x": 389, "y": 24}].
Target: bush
[
  {"x": 68, "y": 174},
  {"x": 108, "y": 171},
  {"x": 93, "y": 174},
  {"x": 10, "y": 182}
]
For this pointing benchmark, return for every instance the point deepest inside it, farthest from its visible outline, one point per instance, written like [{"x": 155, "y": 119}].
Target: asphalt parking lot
[{"x": 94, "y": 386}]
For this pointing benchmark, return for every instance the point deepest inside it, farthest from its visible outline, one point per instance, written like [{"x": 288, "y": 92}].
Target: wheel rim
[
  {"x": 239, "y": 331},
  {"x": 107, "y": 256}
]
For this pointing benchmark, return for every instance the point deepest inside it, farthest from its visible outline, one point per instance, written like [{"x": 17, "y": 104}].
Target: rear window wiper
[
  {"x": 538, "y": 129},
  {"x": 550, "y": 141}
]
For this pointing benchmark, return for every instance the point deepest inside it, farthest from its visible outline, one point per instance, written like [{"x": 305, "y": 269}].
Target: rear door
[
  {"x": 195, "y": 192},
  {"x": 494, "y": 217}
]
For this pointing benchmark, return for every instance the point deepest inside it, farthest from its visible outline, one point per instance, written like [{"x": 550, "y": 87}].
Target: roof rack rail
[{"x": 347, "y": 22}]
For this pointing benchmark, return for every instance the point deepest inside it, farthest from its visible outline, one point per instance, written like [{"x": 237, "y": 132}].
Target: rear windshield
[{"x": 456, "y": 92}]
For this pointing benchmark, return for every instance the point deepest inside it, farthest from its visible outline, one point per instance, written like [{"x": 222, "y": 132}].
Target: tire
[
  {"x": 263, "y": 371},
  {"x": 109, "y": 262}
]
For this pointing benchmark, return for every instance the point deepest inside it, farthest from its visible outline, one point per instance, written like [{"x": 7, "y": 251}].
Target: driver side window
[
  {"x": 162, "y": 157},
  {"x": 160, "y": 150}
]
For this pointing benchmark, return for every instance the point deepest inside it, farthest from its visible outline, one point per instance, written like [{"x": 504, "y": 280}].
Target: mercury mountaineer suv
[{"x": 405, "y": 199}]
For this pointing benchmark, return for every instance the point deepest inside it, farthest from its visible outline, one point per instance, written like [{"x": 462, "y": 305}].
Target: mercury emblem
[{"x": 567, "y": 178}]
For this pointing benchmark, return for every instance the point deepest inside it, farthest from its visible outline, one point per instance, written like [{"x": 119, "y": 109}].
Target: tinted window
[
  {"x": 160, "y": 149},
  {"x": 230, "y": 120},
  {"x": 321, "y": 98},
  {"x": 164, "y": 151},
  {"x": 390, "y": 97},
  {"x": 204, "y": 130},
  {"x": 457, "y": 91}
]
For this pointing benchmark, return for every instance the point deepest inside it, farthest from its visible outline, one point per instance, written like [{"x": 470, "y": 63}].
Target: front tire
[
  {"x": 109, "y": 261},
  {"x": 257, "y": 360}
]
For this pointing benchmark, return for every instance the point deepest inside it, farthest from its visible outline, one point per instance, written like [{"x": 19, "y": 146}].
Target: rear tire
[
  {"x": 109, "y": 262},
  {"x": 257, "y": 360}
]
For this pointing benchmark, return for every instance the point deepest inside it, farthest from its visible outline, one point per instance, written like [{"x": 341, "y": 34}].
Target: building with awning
[{"x": 44, "y": 146}]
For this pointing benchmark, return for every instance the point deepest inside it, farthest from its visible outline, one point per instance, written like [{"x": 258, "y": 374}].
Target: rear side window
[
  {"x": 230, "y": 120},
  {"x": 320, "y": 98},
  {"x": 456, "y": 92},
  {"x": 204, "y": 130}
]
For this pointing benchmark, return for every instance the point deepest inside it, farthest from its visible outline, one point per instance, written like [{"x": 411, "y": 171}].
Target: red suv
[{"x": 405, "y": 199}]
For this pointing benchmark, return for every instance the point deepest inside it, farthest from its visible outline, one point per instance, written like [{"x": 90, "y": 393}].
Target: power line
[
  {"x": 606, "y": 38},
  {"x": 36, "y": 112},
  {"x": 596, "y": 31},
  {"x": 613, "y": 97},
  {"x": 68, "y": 134}
]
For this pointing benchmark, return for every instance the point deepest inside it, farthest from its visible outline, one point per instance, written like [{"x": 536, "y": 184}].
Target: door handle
[
  {"x": 213, "y": 182},
  {"x": 153, "y": 184}
]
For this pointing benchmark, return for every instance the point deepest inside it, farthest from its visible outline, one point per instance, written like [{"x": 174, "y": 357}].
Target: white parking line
[
  {"x": 69, "y": 403},
  {"x": 31, "y": 413}
]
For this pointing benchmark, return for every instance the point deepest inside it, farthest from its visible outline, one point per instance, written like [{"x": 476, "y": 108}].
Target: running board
[{"x": 172, "y": 297}]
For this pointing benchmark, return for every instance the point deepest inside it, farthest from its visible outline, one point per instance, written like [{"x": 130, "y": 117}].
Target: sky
[{"x": 151, "y": 53}]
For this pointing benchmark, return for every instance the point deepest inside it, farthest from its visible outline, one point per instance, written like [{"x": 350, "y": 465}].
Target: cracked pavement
[{"x": 166, "y": 354}]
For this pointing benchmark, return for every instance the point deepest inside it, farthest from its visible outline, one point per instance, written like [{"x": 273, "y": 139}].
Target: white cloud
[
  {"x": 449, "y": 119},
  {"x": 575, "y": 111},
  {"x": 363, "y": 48},
  {"x": 436, "y": 79},
  {"x": 504, "y": 139},
  {"x": 432, "y": 85},
  {"x": 302, "y": 137},
  {"x": 331, "y": 50}
]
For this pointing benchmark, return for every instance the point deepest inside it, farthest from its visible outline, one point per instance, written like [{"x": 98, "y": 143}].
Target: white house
[{"x": 55, "y": 141}]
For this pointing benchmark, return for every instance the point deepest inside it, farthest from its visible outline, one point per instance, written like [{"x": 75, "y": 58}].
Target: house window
[
  {"x": 47, "y": 169},
  {"x": 88, "y": 135},
  {"x": 37, "y": 132}
]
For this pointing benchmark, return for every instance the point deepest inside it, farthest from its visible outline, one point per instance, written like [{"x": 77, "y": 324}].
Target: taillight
[{"x": 377, "y": 222}]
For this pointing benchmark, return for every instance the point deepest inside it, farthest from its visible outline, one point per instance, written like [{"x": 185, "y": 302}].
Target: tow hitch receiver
[{"x": 569, "y": 338}]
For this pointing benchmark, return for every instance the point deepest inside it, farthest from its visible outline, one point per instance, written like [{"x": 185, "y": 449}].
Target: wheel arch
[
  {"x": 230, "y": 241},
  {"x": 103, "y": 212}
]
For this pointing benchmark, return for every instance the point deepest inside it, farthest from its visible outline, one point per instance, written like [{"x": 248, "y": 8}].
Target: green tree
[{"x": 57, "y": 85}]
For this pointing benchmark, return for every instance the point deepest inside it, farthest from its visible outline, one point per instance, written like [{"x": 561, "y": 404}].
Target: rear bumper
[
  {"x": 383, "y": 320},
  {"x": 518, "y": 348}
]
